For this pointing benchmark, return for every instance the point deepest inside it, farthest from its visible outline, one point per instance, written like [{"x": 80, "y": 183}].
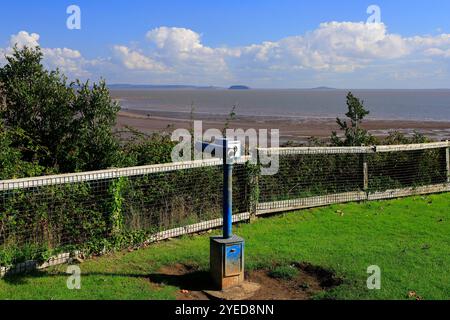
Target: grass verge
[{"x": 407, "y": 238}]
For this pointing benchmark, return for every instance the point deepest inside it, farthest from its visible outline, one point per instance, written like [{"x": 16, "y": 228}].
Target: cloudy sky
[{"x": 264, "y": 43}]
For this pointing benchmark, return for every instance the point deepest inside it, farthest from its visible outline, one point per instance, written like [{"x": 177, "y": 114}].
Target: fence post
[
  {"x": 253, "y": 185},
  {"x": 365, "y": 169},
  {"x": 366, "y": 173},
  {"x": 254, "y": 192},
  {"x": 447, "y": 159}
]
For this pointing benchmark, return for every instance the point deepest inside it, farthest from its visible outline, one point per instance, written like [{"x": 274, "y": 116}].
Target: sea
[{"x": 418, "y": 105}]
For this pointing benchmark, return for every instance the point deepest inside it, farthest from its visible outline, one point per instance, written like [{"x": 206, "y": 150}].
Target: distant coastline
[
  {"x": 124, "y": 86},
  {"x": 238, "y": 87},
  {"x": 324, "y": 88},
  {"x": 409, "y": 105}
]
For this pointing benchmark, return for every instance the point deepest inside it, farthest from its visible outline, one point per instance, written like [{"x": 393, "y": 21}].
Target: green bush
[
  {"x": 69, "y": 124},
  {"x": 11, "y": 164},
  {"x": 145, "y": 149},
  {"x": 99, "y": 216}
]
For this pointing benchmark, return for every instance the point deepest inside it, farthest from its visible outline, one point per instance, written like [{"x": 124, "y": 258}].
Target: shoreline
[{"x": 291, "y": 129}]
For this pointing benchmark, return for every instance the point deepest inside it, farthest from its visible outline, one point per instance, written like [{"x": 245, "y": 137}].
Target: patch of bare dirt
[{"x": 192, "y": 282}]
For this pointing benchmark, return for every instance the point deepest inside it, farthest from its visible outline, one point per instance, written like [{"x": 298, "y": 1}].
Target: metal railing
[
  {"x": 55, "y": 216},
  {"x": 316, "y": 176}
]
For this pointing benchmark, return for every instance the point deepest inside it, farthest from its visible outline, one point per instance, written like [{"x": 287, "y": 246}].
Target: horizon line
[{"x": 194, "y": 86}]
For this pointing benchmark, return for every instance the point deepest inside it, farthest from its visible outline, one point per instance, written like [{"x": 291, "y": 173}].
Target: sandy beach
[{"x": 298, "y": 130}]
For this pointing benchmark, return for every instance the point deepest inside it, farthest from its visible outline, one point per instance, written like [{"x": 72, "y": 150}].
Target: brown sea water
[{"x": 290, "y": 104}]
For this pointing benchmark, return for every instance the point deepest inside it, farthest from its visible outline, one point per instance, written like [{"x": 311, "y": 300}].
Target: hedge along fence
[
  {"x": 46, "y": 220},
  {"x": 309, "y": 177}
]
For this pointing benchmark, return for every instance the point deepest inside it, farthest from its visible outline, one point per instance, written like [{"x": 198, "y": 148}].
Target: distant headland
[
  {"x": 125, "y": 86},
  {"x": 238, "y": 87},
  {"x": 324, "y": 88}
]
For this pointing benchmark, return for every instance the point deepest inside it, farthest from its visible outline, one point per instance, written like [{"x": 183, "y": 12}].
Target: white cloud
[
  {"x": 136, "y": 61},
  {"x": 2, "y": 57},
  {"x": 178, "y": 40},
  {"x": 438, "y": 52},
  {"x": 422, "y": 42},
  {"x": 335, "y": 53},
  {"x": 67, "y": 60},
  {"x": 182, "y": 50},
  {"x": 24, "y": 38},
  {"x": 334, "y": 47}
]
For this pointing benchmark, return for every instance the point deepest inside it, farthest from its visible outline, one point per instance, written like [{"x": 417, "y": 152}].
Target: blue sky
[{"x": 252, "y": 42}]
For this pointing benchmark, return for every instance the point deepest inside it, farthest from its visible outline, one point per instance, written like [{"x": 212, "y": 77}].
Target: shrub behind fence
[{"x": 111, "y": 209}]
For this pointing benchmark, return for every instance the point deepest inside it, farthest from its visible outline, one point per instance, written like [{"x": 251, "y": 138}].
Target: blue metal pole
[{"x": 227, "y": 193}]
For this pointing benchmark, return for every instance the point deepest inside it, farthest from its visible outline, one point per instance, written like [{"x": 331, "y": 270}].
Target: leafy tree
[
  {"x": 70, "y": 124},
  {"x": 354, "y": 135},
  {"x": 145, "y": 149},
  {"x": 11, "y": 165},
  {"x": 92, "y": 144}
]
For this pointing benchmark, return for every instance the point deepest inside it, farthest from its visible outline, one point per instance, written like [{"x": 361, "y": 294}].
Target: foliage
[
  {"x": 116, "y": 189},
  {"x": 354, "y": 134},
  {"x": 396, "y": 137},
  {"x": 252, "y": 177},
  {"x": 11, "y": 164},
  {"x": 70, "y": 123},
  {"x": 91, "y": 144},
  {"x": 394, "y": 170},
  {"x": 307, "y": 175},
  {"x": 100, "y": 216},
  {"x": 10, "y": 255},
  {"x": 230, "y": 117},
  {"x": 50, "y": 217},
  {"x": 145, "y": 149}
]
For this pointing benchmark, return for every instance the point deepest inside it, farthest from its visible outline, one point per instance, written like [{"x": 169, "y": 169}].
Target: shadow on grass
[
  {"x": 20, "y": 279},
  {"x": 193, "y": 281}
]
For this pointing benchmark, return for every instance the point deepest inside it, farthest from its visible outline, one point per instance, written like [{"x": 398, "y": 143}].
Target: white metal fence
[
  {"x": 316, "y": 176},
  {"x": 55, "y": 216}
]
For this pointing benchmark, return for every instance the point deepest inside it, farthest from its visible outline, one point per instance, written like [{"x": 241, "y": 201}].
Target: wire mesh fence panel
[
  {"x": 301, "y": 176},
  {"x": 166, "y": 201},
  {"x": 162, "y": 201},
  {"x": 310, "y": 177},
  {"x": 393, "y": 170},
  {"x": 401, "y": 173},
  {"x": 314, "y": 176},
  {"x": 37, "y": 222},
  {"x": 97, "y": 214},
  {"x": 97, "y": 211}
]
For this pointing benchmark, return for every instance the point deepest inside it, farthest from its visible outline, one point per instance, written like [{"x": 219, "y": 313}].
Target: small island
[
  {"x": 238, "y": 87},
  {"x": 323, "y": 88}
]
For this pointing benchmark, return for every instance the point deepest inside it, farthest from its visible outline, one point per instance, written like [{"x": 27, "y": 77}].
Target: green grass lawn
[{"x": 409, "y": 239}]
